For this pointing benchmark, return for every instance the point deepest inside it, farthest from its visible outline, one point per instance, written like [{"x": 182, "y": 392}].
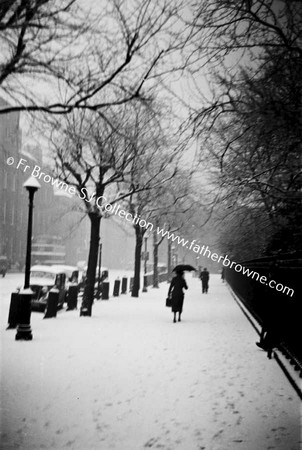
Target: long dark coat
[
  {"x": 176, "y": 290},
  {"x": 205, "y": 276}
]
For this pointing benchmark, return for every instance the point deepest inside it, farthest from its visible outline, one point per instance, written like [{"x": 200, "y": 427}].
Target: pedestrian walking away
[
  {"x": 205, "y": 276},
  {"x": 177, "y": 285}
]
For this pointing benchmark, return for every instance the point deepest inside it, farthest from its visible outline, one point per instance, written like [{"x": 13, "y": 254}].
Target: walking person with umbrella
[{"x": 177, "y": 285}]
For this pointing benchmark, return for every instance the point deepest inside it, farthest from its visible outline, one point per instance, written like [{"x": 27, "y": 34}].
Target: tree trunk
[
  {"x": 139, "y": 234},
  {"x": 88, "y": 295},
  {"x": 155, "y": 261}
]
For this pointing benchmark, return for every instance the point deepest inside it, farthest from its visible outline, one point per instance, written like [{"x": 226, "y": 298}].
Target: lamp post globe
[
  {"x": 32, "y": 183},
  {"x": 24, "y": 329}
]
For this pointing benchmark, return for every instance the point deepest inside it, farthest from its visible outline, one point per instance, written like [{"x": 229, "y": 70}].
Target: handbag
[{"x": 169, "y": 302}]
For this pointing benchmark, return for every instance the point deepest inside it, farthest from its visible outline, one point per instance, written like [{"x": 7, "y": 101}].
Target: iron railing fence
[{"x": 279, "y": 310}]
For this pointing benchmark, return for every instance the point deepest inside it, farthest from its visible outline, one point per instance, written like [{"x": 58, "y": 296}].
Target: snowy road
[{"x": 128, "y": 378}]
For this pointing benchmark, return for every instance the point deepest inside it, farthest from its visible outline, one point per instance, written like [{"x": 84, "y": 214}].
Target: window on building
[{"x": 13, "y": 216}]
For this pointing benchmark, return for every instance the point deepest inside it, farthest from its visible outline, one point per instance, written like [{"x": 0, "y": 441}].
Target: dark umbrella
[{"x": 183, "y": 268}]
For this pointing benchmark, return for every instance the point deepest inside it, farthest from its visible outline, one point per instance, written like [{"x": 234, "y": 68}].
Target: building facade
[{"x": 12, "y": 211}]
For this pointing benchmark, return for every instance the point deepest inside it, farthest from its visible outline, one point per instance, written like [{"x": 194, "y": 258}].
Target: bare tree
[
  {"x": 259, "y": 151},
  {"x": 232, "y": 34},
  {"x": 57, "y": 56},
  {"x": 99, "y": 158},
  {"x": 251, "y": 125},
  {"x": 173, "y": 211},
  {"x": 154, "y": 171},
  {"x": 94, "y": 160}
]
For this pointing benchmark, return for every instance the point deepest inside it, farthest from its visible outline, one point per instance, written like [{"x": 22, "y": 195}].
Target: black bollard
[
  {"x": 72, "y": 298},
  {"x": 124, "y": 285},
  {"x": 24, "y": 329},
  {"x": 52, "y": 304},
  {"x": 131, "y": 284},
  {"x": 145, "y": 284},
  {"x": 105, "y": 291},
  {"x": 98, "y": 291},
  {"x": 116, "y": 288},
  {"x": 14, "y": 310}
]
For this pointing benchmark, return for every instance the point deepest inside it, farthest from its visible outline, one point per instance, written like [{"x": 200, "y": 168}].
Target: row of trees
[
  {"x": 251, "y": 127},
  {"x": 126, "y": 158},
  {"x": 95, "y": 78}
]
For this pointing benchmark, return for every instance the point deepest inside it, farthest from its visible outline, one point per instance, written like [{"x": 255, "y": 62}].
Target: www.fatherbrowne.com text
[
  {"x": 204, "y": 250},
  {"x": 201, "y": 250}
]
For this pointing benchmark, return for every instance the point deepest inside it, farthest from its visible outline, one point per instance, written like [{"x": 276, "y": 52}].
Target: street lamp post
[
  {"x": 145, "y": 265},
  {"x": 23, "y": 328},
  {"x": 173, "y": 255},
  {"x": 169, "y": 262},
  {"x": 197, "y": 265}
]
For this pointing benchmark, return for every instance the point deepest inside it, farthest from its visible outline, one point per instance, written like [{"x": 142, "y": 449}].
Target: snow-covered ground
[{"x": 129, "y": 378}]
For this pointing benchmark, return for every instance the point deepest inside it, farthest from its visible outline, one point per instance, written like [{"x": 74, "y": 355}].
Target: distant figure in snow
[
  {"x": 205, "y": 276},
  {"x": 223, "y": 274},
  {"x": 177, "y": 285}
]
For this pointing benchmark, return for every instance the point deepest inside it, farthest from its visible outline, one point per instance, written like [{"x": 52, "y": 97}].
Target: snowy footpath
[{"x": 129, "y": 378}]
